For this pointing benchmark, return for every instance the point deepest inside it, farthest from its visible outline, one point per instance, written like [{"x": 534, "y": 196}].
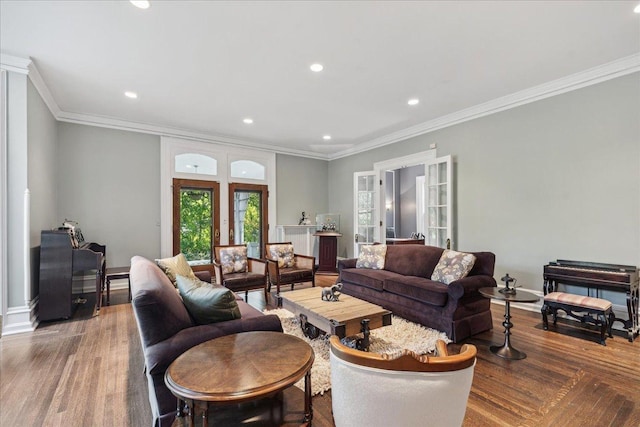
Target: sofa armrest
[
  {"x": 159, "y": 356},
  {"x": 347, "y": 263},
  {"x": 469, "y": 285}
]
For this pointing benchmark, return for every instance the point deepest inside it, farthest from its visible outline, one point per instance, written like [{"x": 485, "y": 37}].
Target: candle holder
[{"x": 507, "y": 280}]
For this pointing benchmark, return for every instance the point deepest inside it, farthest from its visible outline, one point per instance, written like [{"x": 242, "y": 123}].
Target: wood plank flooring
[{"x": 88, "y": 371}]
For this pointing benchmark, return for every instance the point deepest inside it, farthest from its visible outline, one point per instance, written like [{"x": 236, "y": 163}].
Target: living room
[{"x": 546, "y": 168}]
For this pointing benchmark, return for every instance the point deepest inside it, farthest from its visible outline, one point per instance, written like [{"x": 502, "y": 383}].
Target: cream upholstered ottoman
[{"x": 586, "y": 309}]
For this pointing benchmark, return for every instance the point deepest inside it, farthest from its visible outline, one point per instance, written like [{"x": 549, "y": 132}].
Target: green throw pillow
[{"x": 206, "y": 302}]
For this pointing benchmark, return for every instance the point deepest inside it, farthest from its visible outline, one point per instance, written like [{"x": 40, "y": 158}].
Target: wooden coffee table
[
  {"x": 342, "y": 318},
  {"x": 238, "y": 368}
]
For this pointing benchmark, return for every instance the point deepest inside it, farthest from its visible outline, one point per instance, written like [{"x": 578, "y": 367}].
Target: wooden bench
[{"x": 594, "y": 310}]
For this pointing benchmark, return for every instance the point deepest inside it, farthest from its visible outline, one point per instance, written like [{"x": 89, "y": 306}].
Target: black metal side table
[
  {"x": 506, "y": 350},
  {"x": 114, "y": 273}
]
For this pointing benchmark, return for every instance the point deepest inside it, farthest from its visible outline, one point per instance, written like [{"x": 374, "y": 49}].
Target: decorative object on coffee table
[
  {"x": 332, "y": 293},
  {"x": 506, "y": 350},
  {"x": 507, "y": 280}
]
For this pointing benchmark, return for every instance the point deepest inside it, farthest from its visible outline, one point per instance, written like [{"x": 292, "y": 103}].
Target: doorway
[
  {"x": 248, "y": 221},
  {"x": 196, "y": 221}
]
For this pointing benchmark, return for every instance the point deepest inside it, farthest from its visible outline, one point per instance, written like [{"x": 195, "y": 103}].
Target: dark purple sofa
[
  {"x": 405, "y": 287},
  {"x": 167, "y": 330}
]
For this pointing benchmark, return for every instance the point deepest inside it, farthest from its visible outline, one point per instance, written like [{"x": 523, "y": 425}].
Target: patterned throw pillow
[
  {"x": 175, "y": 266},
  {"x": 284, "y": 255},
  {"x": 372, "y": 256},
  {"x": 234, "y": 259},
  {"x": 453, "y": 266}
]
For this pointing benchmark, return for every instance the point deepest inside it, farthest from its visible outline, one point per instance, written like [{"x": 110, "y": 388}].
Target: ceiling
[{"x": 200, "y": 67}]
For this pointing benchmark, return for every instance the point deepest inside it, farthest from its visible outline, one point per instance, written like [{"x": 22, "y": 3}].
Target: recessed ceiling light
[
  {"x": 141, "y": 4},
  {"x": 131, "y": 95},
  {"x": 248, "y": 120},
  {"x": 326, "y": 137},
  {"x": 637, "y": 9},
  {"x": 316, "y": 68},
  {"x": 414, "y": 101}
]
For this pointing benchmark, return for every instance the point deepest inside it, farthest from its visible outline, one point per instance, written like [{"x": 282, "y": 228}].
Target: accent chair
[
  {"x": 406, "y": 389},
  {"x": 288, "y": 268},
  {"x": 238, "y": 272}
]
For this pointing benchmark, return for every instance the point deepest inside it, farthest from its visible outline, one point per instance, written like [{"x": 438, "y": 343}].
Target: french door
[
  {"x": 365, "y": 209},
  {"x": 196, "y": 221},
  {"x": 438, "y": 208},
  {"x": 248, "y": 217}
]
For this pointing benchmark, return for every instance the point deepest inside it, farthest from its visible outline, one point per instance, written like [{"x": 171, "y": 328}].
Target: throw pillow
[
  {"x": 283, "y": 254},
  {"x": 233, "y": 259},
  {"x": 175, "y": 266},
  {"x": 453, "y": 266},
  {"x": 372, "y": 256},
  {"x": 206, "y": 302}
]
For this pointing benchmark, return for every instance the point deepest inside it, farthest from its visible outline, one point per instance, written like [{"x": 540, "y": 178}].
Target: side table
[
  {"x": 506, "y": 350},
  {"x": 115, "y": 273},
  {"x": 239, "y": 368}
]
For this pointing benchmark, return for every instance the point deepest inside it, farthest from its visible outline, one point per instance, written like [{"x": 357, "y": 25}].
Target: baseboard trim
[{"x": 19, "y": 320}]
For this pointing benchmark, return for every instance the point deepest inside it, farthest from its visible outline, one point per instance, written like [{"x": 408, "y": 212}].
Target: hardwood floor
[{"x": 88, "y": 371}]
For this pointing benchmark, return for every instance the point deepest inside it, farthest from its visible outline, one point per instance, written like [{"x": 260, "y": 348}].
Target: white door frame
[{"x": 421, "y": 158}]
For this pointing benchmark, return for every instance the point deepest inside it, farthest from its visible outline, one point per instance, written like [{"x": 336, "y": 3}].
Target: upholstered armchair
[
  {"x": 234, "y": 270},
  {"x": 407, "y": 389},
  {"x": 286, "y": 267}
]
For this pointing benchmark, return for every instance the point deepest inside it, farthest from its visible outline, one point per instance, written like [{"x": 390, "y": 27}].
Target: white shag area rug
[{"x": 390, "y": 339}]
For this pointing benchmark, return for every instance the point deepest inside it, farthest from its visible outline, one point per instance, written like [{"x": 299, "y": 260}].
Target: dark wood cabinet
[{"x": 327, "y": 252}]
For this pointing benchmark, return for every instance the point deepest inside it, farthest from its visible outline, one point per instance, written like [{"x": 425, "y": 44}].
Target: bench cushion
[{"x": 578, "y": 301}]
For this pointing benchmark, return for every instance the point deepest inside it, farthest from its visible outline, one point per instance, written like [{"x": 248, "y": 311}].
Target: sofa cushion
[
  {"x": 372, "y": 256},
  {"x": 233, "y": 259},
  {"x": 158, "y": 307},
  {"x": 174, "y": 266},
  {"x": 206, "y": 302},
  {"x": 373, "y": 279},
  {"x": 419, "y": 289},
  {"x": 412, "y": 260},
  {"x": 283, "y": 253},
  {"x": 453, "y": 266}
]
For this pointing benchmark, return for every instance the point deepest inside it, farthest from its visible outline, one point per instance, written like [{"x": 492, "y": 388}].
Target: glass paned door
[
  {"x": 196, "y": 221},
  {"x": 365, "y": 209},
  {"x": 439, "y": 202},
  {"x": 248, "y": 222}
]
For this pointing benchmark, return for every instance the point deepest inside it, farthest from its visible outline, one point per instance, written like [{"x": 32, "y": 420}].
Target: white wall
[{"x": 558, "y": 178}]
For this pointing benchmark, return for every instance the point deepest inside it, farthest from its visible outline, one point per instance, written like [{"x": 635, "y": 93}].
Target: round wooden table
[
  {"x": 506, "y": 350},
  {"x": 238, "y": 368}
]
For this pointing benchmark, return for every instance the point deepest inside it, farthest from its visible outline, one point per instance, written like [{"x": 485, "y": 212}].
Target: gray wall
[
  {"x": 109, "y": 181},
  {"x": 42, "y": 174},
  {"x": 301, "y": 185},
  {"x": 558, "y": 178}
]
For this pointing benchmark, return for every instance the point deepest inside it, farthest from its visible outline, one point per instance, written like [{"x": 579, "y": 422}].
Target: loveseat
[
  {"x": 404, "y": 287},
  {"x": 167, "y": 330}
]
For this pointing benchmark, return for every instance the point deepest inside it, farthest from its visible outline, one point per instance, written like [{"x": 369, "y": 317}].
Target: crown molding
[
  {"x": 608, "y": 71},
  {"x": 14, "y": 63},
  {"x": 43, "y": 90},
  {"x": 113, "y": 123}
]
